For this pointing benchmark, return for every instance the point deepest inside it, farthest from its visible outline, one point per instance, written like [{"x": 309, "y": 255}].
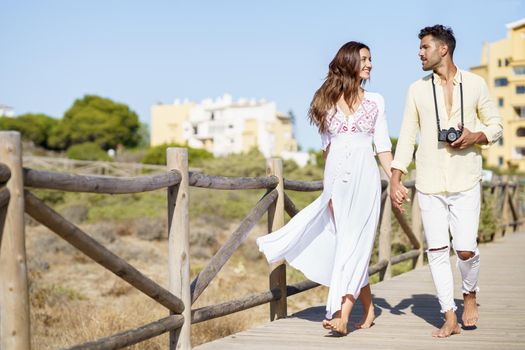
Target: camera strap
[{"x": 436, "y": 104}]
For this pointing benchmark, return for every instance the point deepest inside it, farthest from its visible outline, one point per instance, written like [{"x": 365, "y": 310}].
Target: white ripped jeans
[{"x": 458, "y": 212}]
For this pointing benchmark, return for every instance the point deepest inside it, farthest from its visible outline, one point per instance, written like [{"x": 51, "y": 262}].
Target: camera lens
[{"x": 451, "y": 136}]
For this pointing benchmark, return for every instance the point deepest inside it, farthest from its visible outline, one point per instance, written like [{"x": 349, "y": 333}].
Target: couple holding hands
[{"x": 331, "y": 240}]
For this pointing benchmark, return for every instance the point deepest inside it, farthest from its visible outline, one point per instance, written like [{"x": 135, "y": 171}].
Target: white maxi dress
[{"x": 336, "y": 253}]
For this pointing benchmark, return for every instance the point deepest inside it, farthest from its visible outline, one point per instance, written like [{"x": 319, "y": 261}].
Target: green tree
[
  {"x": 96, "y": 119},
  {"x": 32, "y": 127}
]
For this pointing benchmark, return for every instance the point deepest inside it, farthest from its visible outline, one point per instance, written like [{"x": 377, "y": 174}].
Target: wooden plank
[{"x": 408, "y": 311}]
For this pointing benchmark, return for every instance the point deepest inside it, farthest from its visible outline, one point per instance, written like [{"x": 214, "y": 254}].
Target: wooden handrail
[
  {"x": 232, "y": 183},
  {"x": 303, "y": 186},
  {"x": 213, "y": 311},
  {"x": 4, "y": 196},
  {"x": 182, "y": 293},
  {"x": 405, "y": 256},
  {"x": 100, "y": 254},
  {"x": 133, "y": 336},
  {"x": 220, "y": 258},
  {"x": 98, "y": 184},
  {"x": 5, "y": 173}
]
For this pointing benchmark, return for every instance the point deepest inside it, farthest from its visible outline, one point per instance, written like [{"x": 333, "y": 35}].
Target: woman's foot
[
  {"x": 327, "y": 324},
  {"x": 367, "y": 320},
  {"x": 339, "y": 326}
]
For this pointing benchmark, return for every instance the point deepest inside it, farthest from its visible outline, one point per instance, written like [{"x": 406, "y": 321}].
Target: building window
[
  {"x": 195, "y": 130},
  {"x": 520, "y": 89},
  {"x": 500, "y": 161},
  {"x": 507, "y": 61},
  {"x": 519, "y": 70},
  {"x": 501, "y": 82},
  {"x": 518, "y": 153},
  {"x": 500, "y": 141},
  {"x": 500, "y": 101},
  {"x": 520, "y": 132},
  {"x": 499, "y": 62},
  {"x": 520, "y": 111},
  {"x": 212, "y": 116}
]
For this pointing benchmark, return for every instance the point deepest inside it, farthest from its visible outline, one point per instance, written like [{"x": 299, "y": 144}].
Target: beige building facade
[
  {"x": 503, "y": 68},
  {"x": 224, "y": 126}
]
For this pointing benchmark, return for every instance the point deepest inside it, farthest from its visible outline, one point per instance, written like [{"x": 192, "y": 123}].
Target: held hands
[
  {"x": 468, "y": 138},
  {"x": 398, "y": 194}
]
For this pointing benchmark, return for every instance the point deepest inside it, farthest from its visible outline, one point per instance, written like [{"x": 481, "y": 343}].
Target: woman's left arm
[
  {"x": 385, "y": 159},
  {"x": 382, "y": 139}
]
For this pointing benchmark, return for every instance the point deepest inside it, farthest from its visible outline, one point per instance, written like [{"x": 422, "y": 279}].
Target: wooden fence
[
  {"x": 91, "y": 167},
  {"x": 15, "y": 199}
]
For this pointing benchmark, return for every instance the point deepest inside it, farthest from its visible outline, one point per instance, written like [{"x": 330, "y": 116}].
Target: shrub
[
  {"x": 157, "y": 155},
  {"x": 87, "y": 151}
]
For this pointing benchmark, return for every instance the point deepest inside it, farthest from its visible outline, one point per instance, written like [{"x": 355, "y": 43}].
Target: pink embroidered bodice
[{"x": 369, "y": 118}]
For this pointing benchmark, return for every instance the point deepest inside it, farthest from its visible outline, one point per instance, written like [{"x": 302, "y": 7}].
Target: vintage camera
[{"x": 449, "y": 135}]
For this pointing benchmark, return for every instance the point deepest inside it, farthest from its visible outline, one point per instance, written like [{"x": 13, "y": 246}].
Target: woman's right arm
[{"x": 325, "y": 153}]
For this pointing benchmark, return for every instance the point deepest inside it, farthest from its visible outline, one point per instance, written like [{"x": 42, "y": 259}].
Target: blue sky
[{"x": 144, "y": 52}]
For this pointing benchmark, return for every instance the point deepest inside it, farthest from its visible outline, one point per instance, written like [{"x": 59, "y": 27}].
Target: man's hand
[
  {"x": 468, "y": 139},
  {"x": 398, "y": 192}
]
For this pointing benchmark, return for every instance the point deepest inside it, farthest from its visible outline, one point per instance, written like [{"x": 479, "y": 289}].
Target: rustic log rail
[
  {"x": 5, "y": 196},
  {"x": 182, "y": 292}
]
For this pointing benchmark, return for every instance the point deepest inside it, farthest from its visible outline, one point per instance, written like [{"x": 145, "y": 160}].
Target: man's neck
[{"x": 446, "y": 71}]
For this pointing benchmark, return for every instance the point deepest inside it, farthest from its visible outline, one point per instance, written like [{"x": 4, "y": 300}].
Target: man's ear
[{"x": 443, "y": 49}]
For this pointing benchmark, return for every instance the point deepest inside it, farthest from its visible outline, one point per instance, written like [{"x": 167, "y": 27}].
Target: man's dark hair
[{"x": 441, "y": 33}]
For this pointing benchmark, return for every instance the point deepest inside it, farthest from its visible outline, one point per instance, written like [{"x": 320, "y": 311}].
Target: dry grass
[{"x": 74, "y": 300}]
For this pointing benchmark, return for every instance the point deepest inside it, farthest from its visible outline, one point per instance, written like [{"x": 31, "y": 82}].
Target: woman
[{"x": 331, "y": 240}]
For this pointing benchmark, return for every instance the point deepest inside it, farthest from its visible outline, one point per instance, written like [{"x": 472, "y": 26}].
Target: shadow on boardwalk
[{"x": 424, "y": 306}]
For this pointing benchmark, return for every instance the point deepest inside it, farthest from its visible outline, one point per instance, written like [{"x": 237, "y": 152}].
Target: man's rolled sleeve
[
  {"x": 488, "y": 114},
  {"x": 407, "y": 137}
]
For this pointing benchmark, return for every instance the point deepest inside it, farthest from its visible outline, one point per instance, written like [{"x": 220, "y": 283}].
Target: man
[{"x": 454, "y": 115}]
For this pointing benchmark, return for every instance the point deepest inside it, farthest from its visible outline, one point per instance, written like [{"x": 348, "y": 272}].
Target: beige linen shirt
[{"x": 439, "y": 167}]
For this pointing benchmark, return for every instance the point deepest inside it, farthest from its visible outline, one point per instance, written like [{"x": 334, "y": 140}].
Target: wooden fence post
[
  {"x": 417, "y": 225},
  {"x": 417, "y": 228},
  {"x": 278, "y": 308},
  {"x": 385, "y": 231},
  {"x": 14, "y": 300},
  {"x": 179, "y": 246},
  {"x": 500, "y": 232}
]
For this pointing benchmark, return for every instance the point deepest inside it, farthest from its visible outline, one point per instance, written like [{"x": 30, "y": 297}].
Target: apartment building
[
  {"x": 503, "y": 68},
  {"x": 223, "y": 126}
]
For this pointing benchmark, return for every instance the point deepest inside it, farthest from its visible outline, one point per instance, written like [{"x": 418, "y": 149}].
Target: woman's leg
[
  {"x": 369, "y": 316},
  {"x": 340, "y": 325}
]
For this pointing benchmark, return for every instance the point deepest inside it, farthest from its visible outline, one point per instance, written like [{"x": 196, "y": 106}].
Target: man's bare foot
[
  {"x": 450, "y": 327},
  {"x": 339, "y": 326},
  {"x": 367, "y": 320},
  {"x": 470, "y": 310}
]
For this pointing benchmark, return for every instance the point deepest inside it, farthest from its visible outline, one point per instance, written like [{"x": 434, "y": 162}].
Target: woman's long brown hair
[{"x": 342, "y": 79}]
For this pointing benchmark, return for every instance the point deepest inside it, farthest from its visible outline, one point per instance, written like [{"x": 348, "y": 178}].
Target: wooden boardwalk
[{"x": 408, "y": 312}]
